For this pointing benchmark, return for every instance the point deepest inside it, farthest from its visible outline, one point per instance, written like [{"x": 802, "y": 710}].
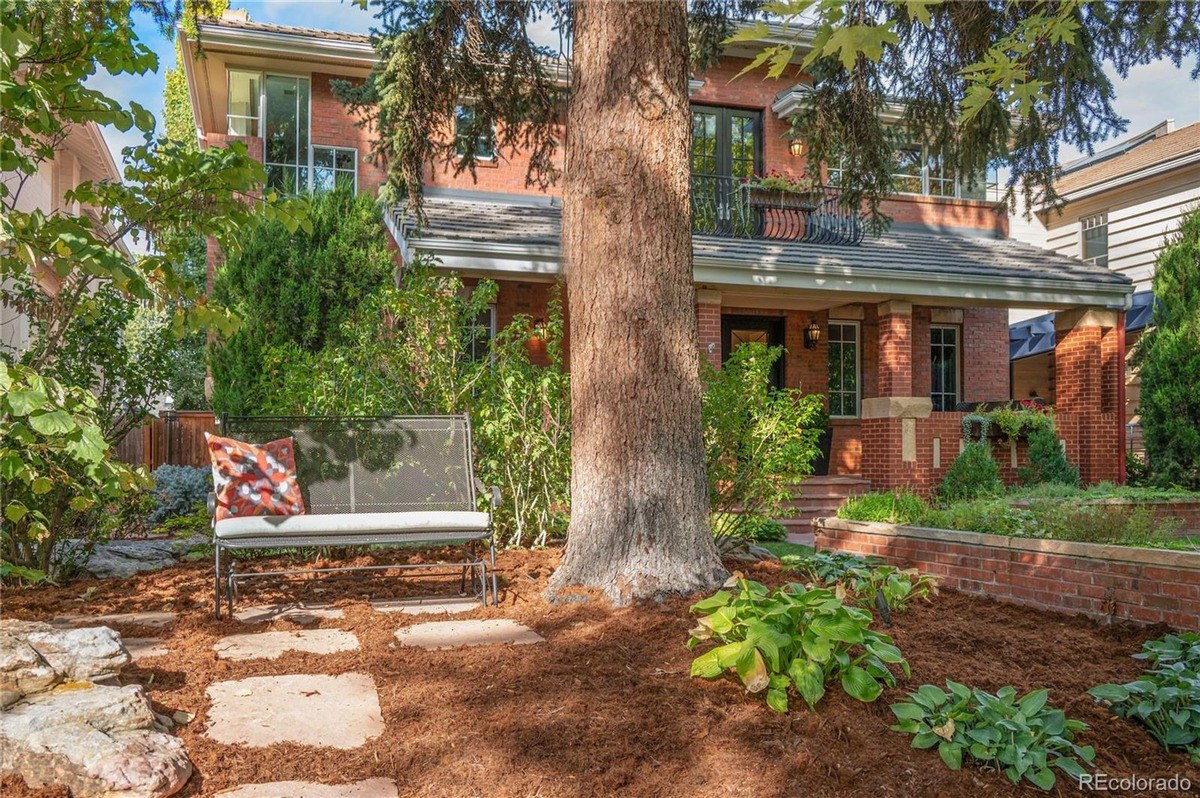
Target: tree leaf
[{"x": 55, "y": 422}]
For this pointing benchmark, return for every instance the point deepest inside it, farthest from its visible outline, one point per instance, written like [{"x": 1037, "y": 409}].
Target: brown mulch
[{"x": 605, "y": 706}]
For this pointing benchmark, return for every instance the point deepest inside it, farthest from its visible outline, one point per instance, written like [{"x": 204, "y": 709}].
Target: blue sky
[{"x": 1149, "y": 95}]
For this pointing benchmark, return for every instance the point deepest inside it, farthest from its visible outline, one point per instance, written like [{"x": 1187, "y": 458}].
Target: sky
[{"x": 1146, "y": 97}]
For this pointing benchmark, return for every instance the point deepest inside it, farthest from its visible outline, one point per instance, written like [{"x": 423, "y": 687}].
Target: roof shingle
[{"x": 1161, "y": 149}]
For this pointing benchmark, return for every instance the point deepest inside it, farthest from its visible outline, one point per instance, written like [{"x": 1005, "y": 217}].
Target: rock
[
  {"x": 272, "y": 645},
  {"x": 439, "y": 635},
  {"x": 150, "y": 619},
  {"x": 123, "y": 558},
  {"x": 94, "y": 740},
  {"x": 368, "y": 788},
  {"x": 36, "y": 656}
]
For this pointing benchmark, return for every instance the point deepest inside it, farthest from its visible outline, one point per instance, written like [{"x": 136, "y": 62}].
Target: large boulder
[
  {"x": 59, "y": 727},
  {"x": 123, "y": 558}
]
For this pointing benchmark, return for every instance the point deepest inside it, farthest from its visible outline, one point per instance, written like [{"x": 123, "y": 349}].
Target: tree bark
[{"x": 639, "y": 505}]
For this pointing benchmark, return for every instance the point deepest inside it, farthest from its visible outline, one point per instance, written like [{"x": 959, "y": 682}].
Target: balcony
[{"x": 727, "y": 207}]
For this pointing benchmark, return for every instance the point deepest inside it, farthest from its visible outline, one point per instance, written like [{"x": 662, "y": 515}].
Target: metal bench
[{"x": 396, "y": 480}]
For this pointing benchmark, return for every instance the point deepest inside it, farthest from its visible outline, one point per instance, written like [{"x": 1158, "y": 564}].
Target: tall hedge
[
  {"x": 1168, "y": 358},
  {"x": 295, "y": 289}
]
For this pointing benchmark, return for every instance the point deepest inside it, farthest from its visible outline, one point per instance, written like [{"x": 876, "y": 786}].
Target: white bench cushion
[{"x": 261, "y": 526}]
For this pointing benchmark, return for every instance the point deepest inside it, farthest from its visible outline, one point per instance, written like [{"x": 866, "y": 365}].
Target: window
[
  {"x": 921, "y": 171},
  {"x": 726, "y": 142},
  {"x": 843, "y": 368},
  {"x": 1094, "y": 238},
  {"x": 242, "y": 110},
  {"x": 943, "y": 357},
  {"x": 468, "y": 137},
  {"x": 285, "y": 134},
  {"x": 334, "y": 167},
  {"x": 482, "y": 332}
]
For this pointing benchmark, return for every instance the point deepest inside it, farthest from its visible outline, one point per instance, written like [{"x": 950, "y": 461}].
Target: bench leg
[
  {"x": 495, "y": 592},
  {"x": 217, "y": 580}
]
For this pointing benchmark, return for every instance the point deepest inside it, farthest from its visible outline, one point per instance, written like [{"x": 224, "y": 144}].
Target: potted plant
[{"x": 777, "y": 189}]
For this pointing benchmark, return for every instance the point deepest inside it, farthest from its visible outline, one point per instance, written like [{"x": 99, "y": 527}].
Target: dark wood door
[{"x": 737, "y": 330}]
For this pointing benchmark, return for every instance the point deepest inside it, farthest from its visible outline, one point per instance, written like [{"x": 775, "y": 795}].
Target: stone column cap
[{"x": 897, "y": 407}]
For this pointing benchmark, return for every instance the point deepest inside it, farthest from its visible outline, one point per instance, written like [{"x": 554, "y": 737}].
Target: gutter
[{"x": 189, "y": 77}]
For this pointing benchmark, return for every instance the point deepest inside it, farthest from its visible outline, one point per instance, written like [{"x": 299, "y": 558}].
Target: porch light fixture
[
  {"x": 796, "y": 147},
  {"x": 812, "y": 335}
]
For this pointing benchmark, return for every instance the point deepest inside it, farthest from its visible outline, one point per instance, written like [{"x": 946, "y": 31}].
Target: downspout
[{"x": 1121, "y": 427}]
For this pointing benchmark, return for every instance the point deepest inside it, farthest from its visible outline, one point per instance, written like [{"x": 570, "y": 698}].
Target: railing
[{"x": 725, "y": 206}]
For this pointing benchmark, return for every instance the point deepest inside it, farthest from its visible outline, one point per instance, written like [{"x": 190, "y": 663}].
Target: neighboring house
[
  {"x": 82, "y": 156},
  {"x": 899, "y": 331},
  {"x": 1121, "y": 205}
]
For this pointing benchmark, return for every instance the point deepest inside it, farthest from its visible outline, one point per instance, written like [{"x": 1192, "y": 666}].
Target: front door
[{"x": 738, "y": 330}]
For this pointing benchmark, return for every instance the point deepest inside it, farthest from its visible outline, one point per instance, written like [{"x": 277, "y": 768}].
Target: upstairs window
[
  {"x": 921, "y": 171},
  {"x": 285, "y": 134},
  {"x": 1093, "y": 231},
  {"x": 334, "y": 167},
  {"x": 243, "y": 109},
  {"x": 471, "y": 135}
]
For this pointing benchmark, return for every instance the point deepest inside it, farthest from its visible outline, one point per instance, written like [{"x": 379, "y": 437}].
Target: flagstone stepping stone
[
  {"x": 309, "y": 709},
  {"x": 152, "y": 620},
  {"x": 298, "y": 612},
  {"x": 438, "y": 635},
  {"x": 427, "y": 606},
  {"x": 145, "y": 647},
  {"x": 270, "y": 645},
  {"x": 368, "y": 788}
]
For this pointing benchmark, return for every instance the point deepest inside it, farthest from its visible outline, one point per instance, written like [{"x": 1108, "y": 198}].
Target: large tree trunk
[{"x": 639, "y": 505}]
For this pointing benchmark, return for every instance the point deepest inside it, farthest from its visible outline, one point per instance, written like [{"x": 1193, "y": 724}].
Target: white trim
[
  {"x": 312, "y": 153},
  {"x": 297, "y": 45},
  {"x": 858, "y": 365}
]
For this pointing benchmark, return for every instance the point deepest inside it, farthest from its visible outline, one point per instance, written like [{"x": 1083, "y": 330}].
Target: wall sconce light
[
  {"x": 796, "y": 147},
  {"x": 812, "y": 335}
]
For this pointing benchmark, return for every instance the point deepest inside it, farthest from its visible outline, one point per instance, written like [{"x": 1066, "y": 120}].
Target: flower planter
[{"x": 767, "y": 198}]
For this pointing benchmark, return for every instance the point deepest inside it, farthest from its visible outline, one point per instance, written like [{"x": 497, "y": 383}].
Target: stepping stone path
[
  {"x": 426, "y": 606},
  {"x": 370, "y": 788},
  {"x": 270, "y": 645},
  {"x": 309, "y": 709},
  {"x": 145, "y": 647},
  {"x": 439, "y": 635},
  {"x": 152, "y": 620},
  {"x": 299, "y": 612}
]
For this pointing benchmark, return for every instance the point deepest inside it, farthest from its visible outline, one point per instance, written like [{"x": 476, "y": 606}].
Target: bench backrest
[{"x": 372, "y": 465}]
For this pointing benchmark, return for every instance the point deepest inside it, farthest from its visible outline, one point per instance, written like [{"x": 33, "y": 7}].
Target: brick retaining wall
[{"x": 1106, "y": 582}]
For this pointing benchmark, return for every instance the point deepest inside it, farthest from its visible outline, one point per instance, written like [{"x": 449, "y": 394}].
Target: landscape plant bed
[
  {"x": 605, "y": 706},
  {"x": 1104, "y": 581}
]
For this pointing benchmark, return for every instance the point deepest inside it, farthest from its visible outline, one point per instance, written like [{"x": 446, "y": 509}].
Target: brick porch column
[
  {"x": 1088, "y": 358},
  {"x": 708, "y": 317},
  {"x": 889, "y": 420}
]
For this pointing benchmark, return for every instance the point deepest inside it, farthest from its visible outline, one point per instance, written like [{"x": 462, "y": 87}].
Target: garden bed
[
  {"x": 1102, "y": 581},
  {"x": 606, "y": 705}
]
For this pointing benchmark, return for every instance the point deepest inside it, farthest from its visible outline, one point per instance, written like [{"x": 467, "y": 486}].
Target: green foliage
[
  {"x": 178, "y": 490},
  {"x": 53, "y": 459},
  {"x": 791, "y": 639},
  {"x": 1168, "y": 360},
  {"x": 972, "y": 475},
  {"x": 1023, "y": 737},
  {"x": 989, "y": 516},
  {"x": 889, "y": 507},
  {"x": 862, "y": 580},
  {"x": 1047, "y": 462},
  {"x": 293, "y": 292},
  {"x": 759, "y": 442},
  {"x": 1137, "y": 471},
  {"x": 192, "y": 524},
  {"x": 756, "y": 528},
  {"x": 1166, "y": 699},
  {"x": 1084, "y": 521}
]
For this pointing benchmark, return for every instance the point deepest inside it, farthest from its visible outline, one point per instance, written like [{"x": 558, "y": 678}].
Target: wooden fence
[{"x": 174, "y": 438}]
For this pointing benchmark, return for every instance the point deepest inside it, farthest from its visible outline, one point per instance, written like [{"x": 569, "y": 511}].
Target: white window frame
[
  {"x": 478, "y": 157},
  {"x": 958, "y": 353},
  {"x": 1093, "y": 221},
  {"x": 857, "y": 365},
  {"x": 960, "y": 185},
  {"x": 259, "y": 110},
  {"x": 312, "y": 167}
]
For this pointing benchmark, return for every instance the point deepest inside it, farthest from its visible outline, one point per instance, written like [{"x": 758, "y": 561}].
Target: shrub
[
  {"x": 749, "y": 527},
  {"x": 1021, "y": 737},
  {"x": 1100, "y": 522},
  {"x": 1166, "y": 699},
  {"x": 1168, "y": 361},
  {"x": 863, "y": 581},
  {"x": 889, "y": 507},
  {"x": 791, "y": 638},
  {"x": 972, "y": 474},
  {"x": 185, "y": 526},
  {"x": 1047, "y": 462},
  {"x": 759, "y": 442},
  {"x": 1137, "y": 473},
  {"x": 178, "y": 490},
  {"x": 991, "y": 516}
]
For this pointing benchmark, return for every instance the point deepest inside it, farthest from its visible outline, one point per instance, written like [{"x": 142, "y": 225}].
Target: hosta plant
[
  {"x": 864, "y": 581},
  {"x": 791, "y": 639},
  {"x": 1167, "y": 698},
  {"x": 1021, "y": 736}
]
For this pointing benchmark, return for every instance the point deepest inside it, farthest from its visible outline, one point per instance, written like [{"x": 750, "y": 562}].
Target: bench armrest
[{"x": 494, "y": 490}]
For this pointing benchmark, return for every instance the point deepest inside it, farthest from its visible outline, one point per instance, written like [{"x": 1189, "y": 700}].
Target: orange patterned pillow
[{"x": 254, "y": 480}]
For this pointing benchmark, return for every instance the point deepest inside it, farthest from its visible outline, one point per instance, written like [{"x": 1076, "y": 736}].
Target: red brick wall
[
  {"x": 333, "y": 126},
  {"x": 985, "y": 364},
  {"x": 708, "y": 318},
  {"x": 1141, "y": 585},
  {"x": 939, "y": 212},
  {"x": 895, "y": 362},
  {"x": 1086, "y": 371}
]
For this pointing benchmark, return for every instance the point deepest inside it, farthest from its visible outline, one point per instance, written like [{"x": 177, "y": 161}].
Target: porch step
[{"x": 820, "y": 497}]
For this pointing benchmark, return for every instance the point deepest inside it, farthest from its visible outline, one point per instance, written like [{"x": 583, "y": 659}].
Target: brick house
[{"x": 899, "y": 331}]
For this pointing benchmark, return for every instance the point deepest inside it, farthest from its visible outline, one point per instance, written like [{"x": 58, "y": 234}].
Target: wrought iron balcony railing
[{"x": 725, "y": 206}]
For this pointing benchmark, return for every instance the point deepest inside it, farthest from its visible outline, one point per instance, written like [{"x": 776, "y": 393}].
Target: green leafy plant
[
  {"x": 1046, "y": 460},
  {"x": 973, "y": 474},
  {"x": 1166, "y": 699},
  {"x": 863, "y": 580},
  {"x": 1021, "y": 736},
  {"x": 791, "y": 639},
  {"x": 759, "y": 442},
  {"x": 889, "y": 507}
]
